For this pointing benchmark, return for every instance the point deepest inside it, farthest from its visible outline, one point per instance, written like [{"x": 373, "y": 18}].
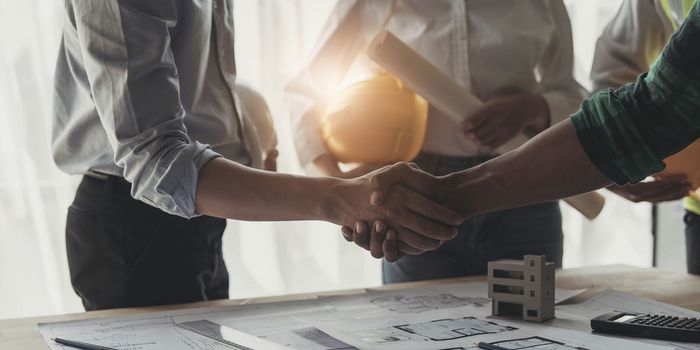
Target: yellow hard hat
[{"x": 376, "y": 121}]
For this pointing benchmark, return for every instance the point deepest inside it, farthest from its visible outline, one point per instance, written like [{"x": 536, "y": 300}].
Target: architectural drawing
[
  {"x": 416, "y": 304},
  {"x": 437, "y": 330},
  {"x": 536, "y": 343}
]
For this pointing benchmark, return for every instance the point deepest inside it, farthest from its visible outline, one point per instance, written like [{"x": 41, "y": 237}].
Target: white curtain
[
  {"x": 273, "y": 39},
  {"x": 622, "y": 232}
]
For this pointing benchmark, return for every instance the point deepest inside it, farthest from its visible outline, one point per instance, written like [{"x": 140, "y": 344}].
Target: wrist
[
  {"x": 329, "y": 204},
  {"x": 473, "y": 191},
  {"x": 455, "y": 192}
]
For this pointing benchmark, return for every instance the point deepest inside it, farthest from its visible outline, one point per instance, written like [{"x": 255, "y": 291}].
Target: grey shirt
[{"x": 145, "y": 90}]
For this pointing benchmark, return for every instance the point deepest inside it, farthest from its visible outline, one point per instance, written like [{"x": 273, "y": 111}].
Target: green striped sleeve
[{"x": 628, "y": 132}]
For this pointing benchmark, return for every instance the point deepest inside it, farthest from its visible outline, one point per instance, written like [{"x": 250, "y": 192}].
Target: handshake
[{"x": 397, "y": 210}]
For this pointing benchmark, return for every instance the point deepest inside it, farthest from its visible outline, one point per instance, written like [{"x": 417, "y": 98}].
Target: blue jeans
[{"x": 509, "y": 234}]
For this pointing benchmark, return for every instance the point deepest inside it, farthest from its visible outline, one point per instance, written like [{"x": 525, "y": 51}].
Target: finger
[
  {"x": 485, "y": 128},
  {"x": 672, "y": 195},
  {"x": 377, "y": 239},
  {"x": 476, "y": 119},
  {"x": 499, "y": 141},
  {"x": 416, "y": 240},
  {"x": 672, "y": 178},
  {"x": 390, "y": 247},
  {"x": 410, "y": 175},
  {"x": 491, "y": 138},
  {"x": 347, "y": 233},
  {"x": 424, "y": 206},
  {"x": 408, "y": 250},
  {"x": 428, "y": 209},
  {"x": 383, "y": 181},
  {"x": 657, "y": 190},
  {"x": 360, "y": 236}
]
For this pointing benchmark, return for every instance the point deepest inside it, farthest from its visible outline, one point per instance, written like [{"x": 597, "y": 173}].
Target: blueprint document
[
  {"x": 149, "y": 331},
  {"x": 466, "y": 332},
  {"x": 449, "y": 316},
  {"x": 577, "y": 316}
]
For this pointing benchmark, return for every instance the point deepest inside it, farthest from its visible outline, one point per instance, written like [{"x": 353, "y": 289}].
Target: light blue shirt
[{"x": 145, "y": 90}]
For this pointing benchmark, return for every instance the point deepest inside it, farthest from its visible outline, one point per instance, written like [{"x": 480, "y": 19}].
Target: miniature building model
[{"x": 522, "y": 288}]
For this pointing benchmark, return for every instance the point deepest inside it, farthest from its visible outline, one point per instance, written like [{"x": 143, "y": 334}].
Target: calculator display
[{"x": 624, "y": 318}]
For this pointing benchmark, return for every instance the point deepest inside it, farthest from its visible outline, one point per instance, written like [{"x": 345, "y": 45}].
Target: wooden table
[{"x": 669, "y": 287}]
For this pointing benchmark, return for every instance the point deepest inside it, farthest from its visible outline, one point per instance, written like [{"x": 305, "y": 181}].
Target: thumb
[{"x": 407, "y": 174}]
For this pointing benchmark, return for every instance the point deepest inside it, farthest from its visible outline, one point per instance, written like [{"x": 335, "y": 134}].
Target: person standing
[
  {"x": 516, "y": 56},
  {"x": 618, "y": 136},
  {"x": 628, "y": 46},
  {"x": 147, "y": 111}
]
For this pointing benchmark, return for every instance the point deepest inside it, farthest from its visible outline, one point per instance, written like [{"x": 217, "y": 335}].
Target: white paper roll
[
  {"x": 448, "y": 96},
  {"x": 422, "y": 76}
]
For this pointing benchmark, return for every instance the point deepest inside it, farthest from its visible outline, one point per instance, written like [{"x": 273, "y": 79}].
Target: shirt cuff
[
  {"x": 177, "y": 187},
  {"x": 309, "y": 145},
  {"x": 611, "y": 141}
]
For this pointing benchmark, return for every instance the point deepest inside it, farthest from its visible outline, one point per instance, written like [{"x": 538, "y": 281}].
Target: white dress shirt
[
  {"x": 493, "y": 47},
  {"x": 145, "y": 90}
]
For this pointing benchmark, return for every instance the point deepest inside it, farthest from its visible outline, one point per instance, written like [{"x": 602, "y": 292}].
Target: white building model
[{"x": 522, "y": 287}]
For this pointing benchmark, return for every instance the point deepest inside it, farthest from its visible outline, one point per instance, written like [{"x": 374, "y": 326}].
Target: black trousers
[
  {"x": 692, "y": 242},
  {"x": 125, "y": 253}
]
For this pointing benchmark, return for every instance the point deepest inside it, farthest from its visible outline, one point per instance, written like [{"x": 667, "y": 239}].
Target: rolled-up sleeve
[
  {"x": 126, "y": 47},
  {"x": 556, "y": 69},
  {"x": 628, "y": 132}
]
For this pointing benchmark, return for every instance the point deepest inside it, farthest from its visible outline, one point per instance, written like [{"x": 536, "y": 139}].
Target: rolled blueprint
[
  {"x": 445, "y": 94},
  {"x": 422, "y": 76},
  {"x": 588, "y": 204}
]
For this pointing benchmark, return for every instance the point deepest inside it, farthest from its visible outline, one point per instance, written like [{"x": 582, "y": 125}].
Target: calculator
[{"x": 664, "y": 327}]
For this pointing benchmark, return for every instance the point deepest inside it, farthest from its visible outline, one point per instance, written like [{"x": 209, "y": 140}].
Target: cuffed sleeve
[
  {"x": 126, "y": 48},
  {"x": 558, "y": 86},
  {"x": 628, "y": 132}
]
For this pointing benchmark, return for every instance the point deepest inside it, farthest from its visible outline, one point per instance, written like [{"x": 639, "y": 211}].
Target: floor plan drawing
[
  {"x": 449, "y": 329},
  {"x": 536, "y": 343},
  {"x": 416, "y": 304},
  {"x": 437, "y": 330}
]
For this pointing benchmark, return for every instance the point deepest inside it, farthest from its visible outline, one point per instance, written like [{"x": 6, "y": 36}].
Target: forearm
[
  {"x": 230, "y": 190},
  {"x": 552, "y": 165}
]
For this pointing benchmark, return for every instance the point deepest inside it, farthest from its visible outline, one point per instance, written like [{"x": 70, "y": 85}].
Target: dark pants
[
  {"x": 125, "y": 253},
  {"x": 692, "y": 242},
  {"x": 510, "y": 233}
]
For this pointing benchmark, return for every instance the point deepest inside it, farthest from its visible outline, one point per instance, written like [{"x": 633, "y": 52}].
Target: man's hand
[
  {"x": 270, "y": 162},
  {"x": 399, "y": 202},
  {"x": 380, "y": 239},
  {"x": 502, "y": 118},
  {"x": 664, "y": 189}
]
